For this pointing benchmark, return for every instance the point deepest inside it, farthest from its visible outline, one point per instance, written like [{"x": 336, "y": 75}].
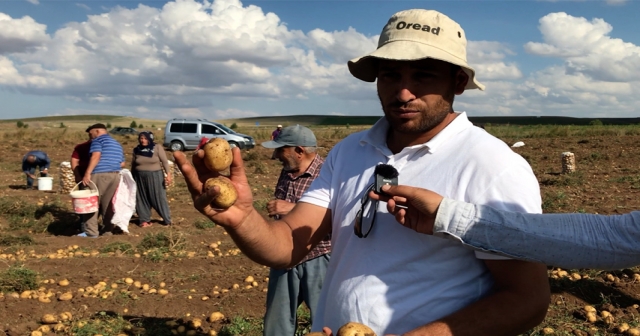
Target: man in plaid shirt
[{"x": 295, "y": 147}]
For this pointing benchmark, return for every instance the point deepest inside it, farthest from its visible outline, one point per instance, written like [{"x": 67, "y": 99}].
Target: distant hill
[
  {"x": 81, "y": 117},
  {"x": 328, "y": 120}
]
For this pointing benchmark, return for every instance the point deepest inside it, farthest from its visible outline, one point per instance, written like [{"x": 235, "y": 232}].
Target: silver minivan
[{"x": 185, "y": 134}]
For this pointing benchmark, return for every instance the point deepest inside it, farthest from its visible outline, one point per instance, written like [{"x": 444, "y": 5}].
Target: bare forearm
[
  {"x": 501, "y": 313},
  {"x": 267, "y": 243}
]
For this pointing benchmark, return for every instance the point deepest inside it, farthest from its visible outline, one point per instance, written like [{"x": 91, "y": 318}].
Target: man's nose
[{"x": 404, "y": 94}]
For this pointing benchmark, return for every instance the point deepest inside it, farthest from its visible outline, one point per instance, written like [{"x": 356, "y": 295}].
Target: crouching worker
[{"x": 31, "y": 161}]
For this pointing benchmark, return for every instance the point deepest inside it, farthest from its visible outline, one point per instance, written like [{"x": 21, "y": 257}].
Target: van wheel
[
  {"x": 176, "y": 146},
  {"x": 233, "y": 143}
]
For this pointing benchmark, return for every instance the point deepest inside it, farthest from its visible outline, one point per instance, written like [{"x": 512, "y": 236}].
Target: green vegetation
[
  {"x": 133, "y": 124},
  {"x": 159, "y": 245},
  {"x": 123, "y": 247},
  {"x": 18, "y": 278},
  {"x": 108, "y": 125},
  {"x": 154, "y": 240},
  {"x": 553, "y": 201},
  {"x": 234, "y": 126},
  {"x": 101, "y": 324},
  {"x": 203, "y": 224},
  {"x": 240, "y": 326},
  {"x": 22, "y": 240}
]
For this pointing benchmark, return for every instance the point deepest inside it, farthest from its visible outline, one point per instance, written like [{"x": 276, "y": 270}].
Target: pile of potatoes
[
  {"x": 218, "y": 157},
  {"x": 67, "y": 180}
]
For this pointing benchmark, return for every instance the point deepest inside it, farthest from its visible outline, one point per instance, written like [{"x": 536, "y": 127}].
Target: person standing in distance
[{"x": 296, "y": 148}]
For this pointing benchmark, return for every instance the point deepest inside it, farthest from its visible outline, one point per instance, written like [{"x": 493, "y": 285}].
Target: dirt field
[{"x": 190, "y": 270}]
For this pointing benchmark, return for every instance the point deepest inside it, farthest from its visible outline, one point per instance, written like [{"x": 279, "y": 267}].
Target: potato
[
  {"x": 49, "y": 319},
  {"x": 65, "y": 296},
  {"x": 228, "y": 194},
  {"x": 217, "y": 154},
  {"x": 216, "y": 316},
  {"x": 355, "y": 329}
]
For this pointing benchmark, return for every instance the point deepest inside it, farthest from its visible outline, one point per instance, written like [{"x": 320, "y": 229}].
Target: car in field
[
  {"x": 185, "y": 134},
  {"x": 123, "y": 131}
]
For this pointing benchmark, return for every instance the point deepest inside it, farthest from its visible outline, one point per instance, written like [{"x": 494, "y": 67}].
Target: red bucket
[{"x": 85, "y": 201}]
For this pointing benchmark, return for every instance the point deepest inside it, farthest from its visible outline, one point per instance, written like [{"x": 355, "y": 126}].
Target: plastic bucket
[
  {"x": 85, "y": 201},
  {"x": 45, "y": 183}
]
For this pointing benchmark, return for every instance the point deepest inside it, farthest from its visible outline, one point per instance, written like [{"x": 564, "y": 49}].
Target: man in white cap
[{"x": 390, "y": 277}]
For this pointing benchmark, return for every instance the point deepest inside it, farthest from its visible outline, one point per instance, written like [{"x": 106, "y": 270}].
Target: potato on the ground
[
  {"x": 217, "y": 154},
  {"x": 228, "y": 194},
  {"x": 355, "y": 329}
]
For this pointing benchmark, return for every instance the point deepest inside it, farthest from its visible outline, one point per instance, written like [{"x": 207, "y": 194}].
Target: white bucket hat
[{"x": 417, "y": 34}]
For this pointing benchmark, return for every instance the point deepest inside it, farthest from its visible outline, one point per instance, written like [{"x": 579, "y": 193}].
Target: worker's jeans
[
  {"x": 32, "y": 171},
  {"x": 288, "y": 289}
]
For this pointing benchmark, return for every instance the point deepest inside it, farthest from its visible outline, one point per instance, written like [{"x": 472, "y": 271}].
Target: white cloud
[
  {"x": 179, "y": 59},
  {"x": 83, "y": 6},
  {"x": 20, "y": 35},
  {"x": 487, "y": 58},
  {"x": 35, "y": 2},
  {"x": 598, "y": 75},
  {"x": 587, "y": 48},
  {"x": 183, "y": 54}
]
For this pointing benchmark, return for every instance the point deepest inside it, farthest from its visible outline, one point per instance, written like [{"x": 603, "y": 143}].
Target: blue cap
[{"x": 293, "y": 136}]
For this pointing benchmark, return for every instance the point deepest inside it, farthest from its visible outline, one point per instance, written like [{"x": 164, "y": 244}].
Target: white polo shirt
[{"x": 397, "y": 279}]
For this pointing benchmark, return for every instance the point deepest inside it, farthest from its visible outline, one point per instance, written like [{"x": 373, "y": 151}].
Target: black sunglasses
[{"x": 365, "y": 218}]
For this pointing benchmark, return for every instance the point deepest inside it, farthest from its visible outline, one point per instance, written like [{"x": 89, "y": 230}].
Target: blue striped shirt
[{"x": 111, "y": 154}]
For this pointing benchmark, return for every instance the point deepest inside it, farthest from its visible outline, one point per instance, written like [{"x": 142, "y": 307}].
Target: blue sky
[{"x": 226, "y": 58}]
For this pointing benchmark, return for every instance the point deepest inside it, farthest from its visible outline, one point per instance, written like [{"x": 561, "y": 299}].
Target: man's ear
[
  {"x": 299, "y": 150},
  {"x": 461, "y": 81}
]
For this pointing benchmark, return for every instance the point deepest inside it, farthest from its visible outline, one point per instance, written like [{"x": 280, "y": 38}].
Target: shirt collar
[
  {"x": 311, "y": 170},
  {"x": 377, "y": 135}
]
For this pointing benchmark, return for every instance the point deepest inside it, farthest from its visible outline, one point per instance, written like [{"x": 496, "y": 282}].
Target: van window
[
  {"x": 176, "y": 128},
  {"x": 210, "y": 129},
  {"x": 189, "y": 128}
]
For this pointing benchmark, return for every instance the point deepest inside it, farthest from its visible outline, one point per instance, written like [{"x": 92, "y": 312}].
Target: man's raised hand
[{"x": 197, "y": 174}]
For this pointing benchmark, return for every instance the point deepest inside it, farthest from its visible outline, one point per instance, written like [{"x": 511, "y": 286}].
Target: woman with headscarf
[{"x": 150, "y": 180}]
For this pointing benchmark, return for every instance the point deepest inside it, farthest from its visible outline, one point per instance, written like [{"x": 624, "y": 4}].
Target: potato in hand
[
  {"x": 355, "y": 329},
  {"x": 217, "y": 154},
  {"x": 228, "y": 194}
]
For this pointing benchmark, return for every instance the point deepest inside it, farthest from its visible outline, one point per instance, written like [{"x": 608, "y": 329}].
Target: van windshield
[{"x": 226, "y": 129}]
